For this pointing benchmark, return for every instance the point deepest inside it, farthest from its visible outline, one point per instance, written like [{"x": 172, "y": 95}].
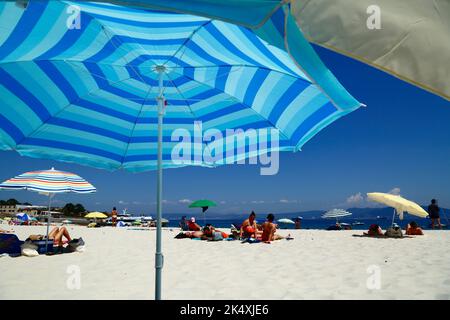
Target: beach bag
[
  {"x": 394, "y": 233},
  {"x": 41, "y": 245},
  {"x": 217, "y": 236},
  {"x": 10, "y": 244},
  {"x": 76, "y": 245},
  {"x": 29, "y": 249}
]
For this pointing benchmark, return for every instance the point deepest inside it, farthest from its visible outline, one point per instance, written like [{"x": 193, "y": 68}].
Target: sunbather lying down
[
  {"x": 208, "y": 233},
  {"x": 56, "y": 235},
  {"x": 60, "y": 245}
]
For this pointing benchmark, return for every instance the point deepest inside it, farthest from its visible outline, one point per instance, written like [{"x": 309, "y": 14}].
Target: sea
[{"x": 320, "y": 224}]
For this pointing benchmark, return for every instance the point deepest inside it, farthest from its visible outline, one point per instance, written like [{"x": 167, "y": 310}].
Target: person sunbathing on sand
[
  {"x": 413, "y": 229},
  {"x": 56, "y": 235},
  {"x": 269, "y": 229},
  {"x": 374, "y": 231},
  {"x": 193, "y": 226},
  {"x": 209, "y": 232},
  {"x": 249, "y": 228}
]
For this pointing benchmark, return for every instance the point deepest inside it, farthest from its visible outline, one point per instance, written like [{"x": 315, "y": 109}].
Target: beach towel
[
  {"x": 251, "y": 240},
  {"x": 10, "y": 244},
  {"x": 378, "y": 236}
]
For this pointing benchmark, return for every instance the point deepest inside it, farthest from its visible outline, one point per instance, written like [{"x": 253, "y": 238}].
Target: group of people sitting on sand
[
  {"x": 412, "y": 229},
  {"x": 249, "y": 231}
]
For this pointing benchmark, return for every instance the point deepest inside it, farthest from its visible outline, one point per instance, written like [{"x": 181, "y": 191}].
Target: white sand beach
[{"x": 119, "y": 264}]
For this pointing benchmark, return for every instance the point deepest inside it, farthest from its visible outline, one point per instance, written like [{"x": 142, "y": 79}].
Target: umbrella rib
[
  {"x": 134, "y": 125},
  {"x": 37, "y": 129},
  {"x": 238, "y": 101},
  {"x": 183, "y": 45},
  {"x": 188, "y": 105}
]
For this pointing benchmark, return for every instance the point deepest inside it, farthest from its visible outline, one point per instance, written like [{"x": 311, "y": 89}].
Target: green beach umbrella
[{"x": 204, "y": 204}]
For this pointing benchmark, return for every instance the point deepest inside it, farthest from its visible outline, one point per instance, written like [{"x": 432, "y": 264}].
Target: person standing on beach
[
  {"x": 298, "y": 223},
  {"x": 433, "y": 211},
  {"x": 114, "y": 217}
]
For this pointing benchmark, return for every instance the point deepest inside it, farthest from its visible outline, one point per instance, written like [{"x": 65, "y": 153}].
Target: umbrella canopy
[
  {"x": 49, "y": 181},
  {"x": 121, "y": 224},
  {"x": 386, "y": 23},
  {"x": 286, "y": 220},
  {"x": 23, "y": 216},
  {"x": 96, "y": 215},
  {"x": 96, "y": 90},
  {"x": 204, "y": 204},
  {"x": 90, "y": 95},
  {"x": 399, "y": 203},
  {"x": 336, "y": 213}
]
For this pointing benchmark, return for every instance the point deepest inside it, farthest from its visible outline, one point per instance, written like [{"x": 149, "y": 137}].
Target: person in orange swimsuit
[
  {"x": 249, "y": 228},
  {"x": 413, "y": 229}
]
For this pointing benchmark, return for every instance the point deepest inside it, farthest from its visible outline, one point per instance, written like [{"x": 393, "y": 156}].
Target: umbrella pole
[
  {"x": 159, "y": 258},
  {"x": 48, "y": 221},
  {"x": 393, "y": 218}
]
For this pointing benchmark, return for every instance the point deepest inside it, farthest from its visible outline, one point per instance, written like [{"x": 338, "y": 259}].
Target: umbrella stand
[
  {"x": 48, "y": 220},
  {"x": 159, "y": 258}
]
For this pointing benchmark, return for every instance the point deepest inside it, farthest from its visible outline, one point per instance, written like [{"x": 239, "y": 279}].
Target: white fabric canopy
[{"x": 412, "y": 44}]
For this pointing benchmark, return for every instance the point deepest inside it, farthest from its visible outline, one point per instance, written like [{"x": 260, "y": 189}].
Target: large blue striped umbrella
[
  {"x": 91, "y": 83},
  {"x": 48, "y": 182}
]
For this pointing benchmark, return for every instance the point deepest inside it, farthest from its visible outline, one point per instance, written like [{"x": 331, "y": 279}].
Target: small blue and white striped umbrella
[
  {"x": 336, "y": 213},
  {"x": 23, "y": 216},
  {"x": 49, "y": 181}
]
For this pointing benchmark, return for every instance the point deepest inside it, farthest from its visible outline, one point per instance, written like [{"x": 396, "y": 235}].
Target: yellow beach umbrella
[
  {"x": 399, "y": 203},
  {"x": 96, "y": 215}
]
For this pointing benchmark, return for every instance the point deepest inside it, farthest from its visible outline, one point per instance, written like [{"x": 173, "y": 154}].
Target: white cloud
[
  {"x": 257, "y": 201},
  {"x": 122, "y": 202},
  {"x": 395, "y": 191},
  {"x": 184, "y": 201},
  {"x": 222, "y": 202},
  {"x": 288, "y": 201},
  {"x": 355, "y": 199}
]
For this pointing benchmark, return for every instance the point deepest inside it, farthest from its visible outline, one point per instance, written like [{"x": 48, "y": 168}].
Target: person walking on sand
[
  {"x": 114, "y": 217},
  {"x": 433, "y": 211}
]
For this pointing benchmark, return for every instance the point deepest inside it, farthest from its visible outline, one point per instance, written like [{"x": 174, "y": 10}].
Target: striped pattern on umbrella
[
  {"x": 336, "y": 213},
  {"x": 49, "y": 181},
  {"x": 87, "y": 93}
]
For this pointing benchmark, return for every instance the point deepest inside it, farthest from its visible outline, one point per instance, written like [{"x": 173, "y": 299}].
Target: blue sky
[{"x": 399, "y": 143}]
